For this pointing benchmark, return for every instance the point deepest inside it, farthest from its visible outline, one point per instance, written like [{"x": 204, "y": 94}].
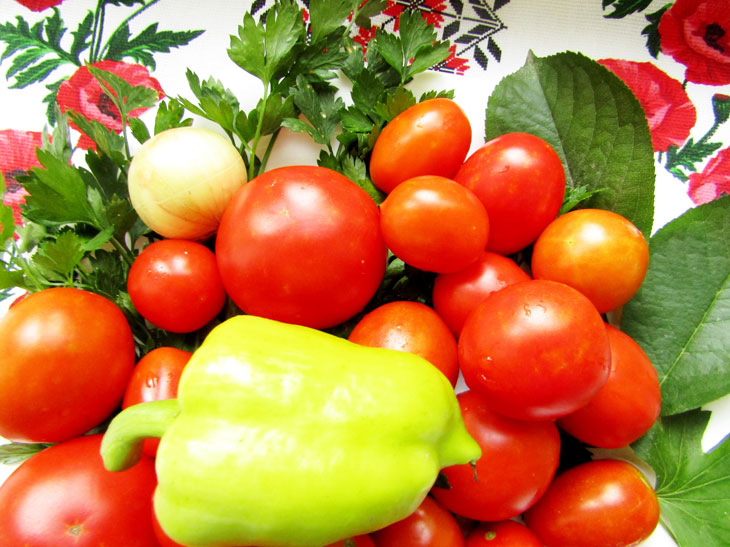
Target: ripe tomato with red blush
[
  {"x": 430, "y": 138},
  {"x": 412, "y": 327},
  {"x": 521, "y": 181},
  {"x": 434, "y": 224},
  {"x": 430, "y": 525},
  {"x": 456, "y": 294},
  {"x": 601, "y": 503},
  {"x": 535, "y": 350},
  {"x": 626, "y": 406},
  {"x": 519, "y": 459},
  {"x": 155, "y": 377},
  {"x": 504, "y": 533}
]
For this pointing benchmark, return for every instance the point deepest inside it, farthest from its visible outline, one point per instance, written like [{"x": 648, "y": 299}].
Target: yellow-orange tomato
[{"x": 600, "y": 253}]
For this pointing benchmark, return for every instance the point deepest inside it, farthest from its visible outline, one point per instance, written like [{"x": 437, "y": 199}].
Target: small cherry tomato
[
  {"x": 601, "y": 503},
  {"x": 519, "y": 459},
  {"x": 412, "y": 327},
  {"x": 67, "y": 355},
  {"x": 63, "y": 496},
  {"x": 430, "y": 138},
  {"x": 535, "y": 350},
  {"x": 520, "y": 180},
  {"x": 505, "y": 533},
  {"x": 434, "y": 224},
  {"x": 175, "y": 285},
  {"x": 155, "y": 377},
  {"x": 626, "y": 406},
  {"x": 428, "y": 526},
  {"x": 456, "y": 294},
  {"x": 600, "y": 253}
]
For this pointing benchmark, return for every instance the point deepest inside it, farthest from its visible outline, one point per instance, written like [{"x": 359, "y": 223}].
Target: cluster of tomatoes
[{"x": 305, "y": 245}]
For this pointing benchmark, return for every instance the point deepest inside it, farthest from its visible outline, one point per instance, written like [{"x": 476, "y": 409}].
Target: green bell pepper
[{"x": 286, "y": 436}]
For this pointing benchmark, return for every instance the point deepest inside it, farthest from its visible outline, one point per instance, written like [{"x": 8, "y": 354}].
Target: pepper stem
[{"x": 121, "y": 446}]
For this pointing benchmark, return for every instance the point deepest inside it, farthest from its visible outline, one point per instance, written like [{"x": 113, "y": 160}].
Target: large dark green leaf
[{"x": 592, "y": 120}]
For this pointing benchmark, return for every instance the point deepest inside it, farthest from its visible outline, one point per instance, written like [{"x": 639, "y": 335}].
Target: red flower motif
[
  {"x": 82, "y": 93},
  {"x": 669, "y": 110},
  {"x": 457, "y": 64},
  {"x": 38, "y": 5},
  {"x": 17, "y": 156},
  {"x": 697, "y": 34},
  {"x": 713, "y": 181},
  {"x": 431, "y": 11}
]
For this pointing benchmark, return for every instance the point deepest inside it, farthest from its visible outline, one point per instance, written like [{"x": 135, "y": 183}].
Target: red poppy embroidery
[
  {"x": 713, "y": 181},
  {"x": 17, "y": 156},
  {"x": 697, "y": 34},
  {"x": 38, "y": 5},
  {"x": 83, "y": 94}
]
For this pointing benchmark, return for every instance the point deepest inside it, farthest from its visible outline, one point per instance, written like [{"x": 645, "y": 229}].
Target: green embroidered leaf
[
  {"x": 693, "y": 486},
  {"x": 685, "y": 159},
  {"x": 142, "y": 47},
  {"x": 82, "y": 36},
  {"x": 681, "y": 314},
  {"x": 651, "y": 31},
  {"x": 592, "y": 120},
  {"x": 622, "y": 8}
]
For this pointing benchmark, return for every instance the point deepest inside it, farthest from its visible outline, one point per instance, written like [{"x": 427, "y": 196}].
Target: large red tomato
[
  {"x": 456, "y": 294},
  {"x": 519, "y": 459},
  {"x": 535, "y": 350},
  {"x": 430, "y": 138},
  {"x": 626, "y": 406},
  {"x": 63, "y": 496},
  {"x": 430, "y": 525},
  {"x": 412, "y": 327},
  {"x": 66, "y": 357},
  {"x": 521, "y": 181},
  {"x": 155, "y": 377},
  {"x": 600, "y": 253},
  {"x": 434, "y": 224},
  {"x": 175, "y": 285},
  {"x": 301, "y": 244},
  {"x": 602, "y": 503}
]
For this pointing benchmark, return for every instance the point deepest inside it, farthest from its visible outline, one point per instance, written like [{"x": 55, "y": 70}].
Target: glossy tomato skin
[
  {"x": 155, "y": 377},
  {"x": 600, "y": 253},
  {"x": 626, "y": 406},
  {"x": 504, "y": 533},
  {"x": 520, "y": 180},
  {"x": 301, "y": 244},
  {"x": 430, "y": 138},
  {"x": 456, "y": 294},
  {"x": 412, "y": 327},
  {"x": 535, "y": 350},
  {"x": 67, "y": 355},
  {"x": 63, "y": 496},
  {"x": 434, "y": 224},
  {"x": 602, "y": 503},
  {"x": 428, "y": 526},
  {"x": 175, "y": 285},
  {"x": 519, "y": 459}
]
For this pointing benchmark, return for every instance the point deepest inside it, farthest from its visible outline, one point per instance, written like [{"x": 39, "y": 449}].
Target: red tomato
[
  {"x": 357, "y": 541},
  {"x": 155, "y": 377},
  {"x": 456, "y": 294},
  {"x": 63, "y": 496},
  {"x": 602, "y": 503},
  {"x": 626, "y": 406},
  {"x": 505, "y": 533},
  {"x": 430, "y": 138},
  {"x": 520, "y": 180},
  {"x": 428, "y": 526},
  {"x": 412, "y": 327},
  {"x": 535, "y": 350},
  {"x": 175, "y": 285},
  {"x": 434, "y": 224},
  {"x": 519, "y": 459},
  {"x": 67, "y": 355},
  {"x": 301, "y": 244},
  {"x": 600, "y": 253}
]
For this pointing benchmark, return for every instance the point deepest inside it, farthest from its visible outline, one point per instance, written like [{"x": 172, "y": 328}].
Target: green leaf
[
  {"x": 107, "y": 141},
  {"x": 322, "y": 110},
  {"x": 7, "y": 221},
  {"x": 622, "y": 8},
  {"x": 394, "y": 103},
  {"x": 356, "y": 170},
  {"x": 139, "y": 130},
  {"x": 142, "y": 47},
  {"x": 368, "y": 10},
  {"x": 126, "y": 96},
  {"x": 57, "y": 258},
  {"x": 592, "y": 120},
  {"x": 13, "y": 453},
  {"x": 169, "y": 115},
  {"x": 651, "y": 31},
  {"x": 681, "y": 314},
  {"x": 82, "y": 36},
  {"x": 326, "y": 16},
  {"x": 574, "y": 196},
  {"x": 693, "y": 486}
]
